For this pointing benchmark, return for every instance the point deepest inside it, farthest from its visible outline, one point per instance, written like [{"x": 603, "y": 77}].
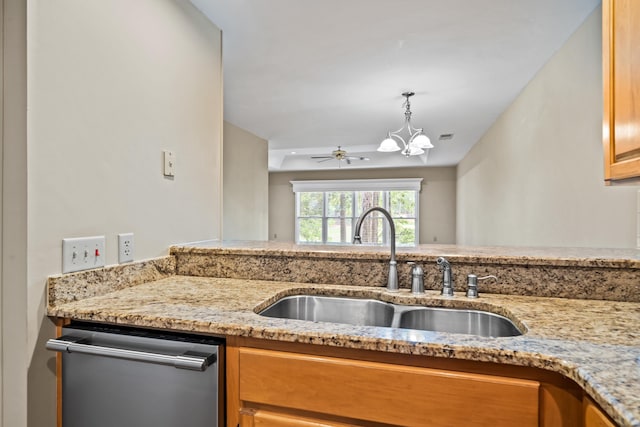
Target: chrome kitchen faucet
[{"x": 392, "y": 280}]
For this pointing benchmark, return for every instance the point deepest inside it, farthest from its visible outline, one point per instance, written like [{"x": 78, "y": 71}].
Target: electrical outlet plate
[
  {"x": 83, "y": 253},
  {"x": 125, "y": 247}
]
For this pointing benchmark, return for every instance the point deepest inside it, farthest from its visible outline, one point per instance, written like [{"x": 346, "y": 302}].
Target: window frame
[{"x": 385, "y": 186}]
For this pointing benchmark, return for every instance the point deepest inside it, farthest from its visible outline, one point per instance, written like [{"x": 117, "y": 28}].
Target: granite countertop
[
  {"x": 594, "y": 343},
  {"x": 559, "y": 256}
]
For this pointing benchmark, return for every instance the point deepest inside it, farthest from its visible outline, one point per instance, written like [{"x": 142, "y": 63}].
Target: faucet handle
[
  {"x": 415, "y": 268},
  {"x": 472, "y": 284},
  {"x": 417, "y": 278},
  {"x": 447, "y": 277}
]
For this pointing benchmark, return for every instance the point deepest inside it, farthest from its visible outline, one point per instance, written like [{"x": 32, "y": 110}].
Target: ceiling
[{"x": 311, "y": 75}]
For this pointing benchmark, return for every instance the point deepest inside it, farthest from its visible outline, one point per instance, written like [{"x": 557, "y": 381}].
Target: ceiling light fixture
[{"x": 416, "y": 143}]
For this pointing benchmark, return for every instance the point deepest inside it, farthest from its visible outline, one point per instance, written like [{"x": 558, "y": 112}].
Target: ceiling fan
[{"x": 339, "y": 155}]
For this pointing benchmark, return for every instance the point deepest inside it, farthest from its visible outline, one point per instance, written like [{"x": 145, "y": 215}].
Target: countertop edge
[{"x": 608, "y": 258}]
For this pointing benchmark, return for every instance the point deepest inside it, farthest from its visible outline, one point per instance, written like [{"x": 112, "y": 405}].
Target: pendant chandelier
[{"x": 416, "y": 141}]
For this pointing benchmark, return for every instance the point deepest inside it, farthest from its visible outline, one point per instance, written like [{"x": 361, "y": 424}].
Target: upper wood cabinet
[{"x": 621, "y": 79}]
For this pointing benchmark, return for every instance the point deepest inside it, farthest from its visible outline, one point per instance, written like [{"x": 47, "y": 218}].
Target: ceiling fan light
[
  {"x": 421, "y": 141},
  {"x": 388, "y": 145}
]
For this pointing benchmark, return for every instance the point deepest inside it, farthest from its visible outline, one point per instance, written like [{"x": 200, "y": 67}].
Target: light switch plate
[
  {"x": 83, "y": 253},
  {"x": 169, "y": 163}
]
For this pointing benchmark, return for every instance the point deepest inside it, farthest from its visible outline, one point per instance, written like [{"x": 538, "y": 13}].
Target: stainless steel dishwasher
[{"x": 127, "y": 377}]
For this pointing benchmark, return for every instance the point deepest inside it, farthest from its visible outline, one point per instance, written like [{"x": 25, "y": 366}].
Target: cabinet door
[
  {"x": 593, "y": 416},
  {"x": 621, "y": 78}
]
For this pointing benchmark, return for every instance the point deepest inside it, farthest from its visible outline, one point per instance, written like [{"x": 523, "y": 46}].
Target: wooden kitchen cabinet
[
  {"x": 265, "y": 418},
  {"x": 384, "y": 393},
  {"x": 621, "y": 79},
  {"x": 306, "y": 385},
  {"x": 594, "y": 417}
]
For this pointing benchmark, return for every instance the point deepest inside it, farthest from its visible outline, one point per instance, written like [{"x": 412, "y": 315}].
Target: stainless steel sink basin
[
  {"x": 370, "y": 312},
  {"x": 458, "y": 321},
  {"x": 353, "y": 311}
]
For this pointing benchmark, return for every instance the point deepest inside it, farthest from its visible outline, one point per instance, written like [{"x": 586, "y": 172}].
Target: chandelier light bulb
[
  {"x": 388, "y": 145},
  {"x": 421, "y": 141}
]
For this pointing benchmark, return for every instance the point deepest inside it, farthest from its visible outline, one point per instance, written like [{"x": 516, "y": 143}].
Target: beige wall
[
  {"x": 437, "y": 199},
  {"x": 106, "y": 95},
  {"x": 13, "y": 126},
  {"x": 246, "y": 186},
  {"x": 536, "y": 176}
]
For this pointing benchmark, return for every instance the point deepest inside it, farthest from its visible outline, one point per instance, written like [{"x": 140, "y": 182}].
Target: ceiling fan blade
[{"x": 339, "y": 155}]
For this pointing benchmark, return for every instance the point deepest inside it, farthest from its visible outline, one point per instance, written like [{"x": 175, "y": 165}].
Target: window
[{"x": 327, "y": 211}]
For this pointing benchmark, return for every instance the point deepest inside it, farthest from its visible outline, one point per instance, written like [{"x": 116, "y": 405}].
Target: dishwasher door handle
[{"x": 194, "y": 361}]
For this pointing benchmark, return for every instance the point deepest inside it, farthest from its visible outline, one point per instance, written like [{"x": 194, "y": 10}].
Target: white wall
[
  {"x": 437, "y": 199},
  {"x": 246, "y": 185},
  {"x": 536, "y": 176},
  {"x": 112, "y": 84}
]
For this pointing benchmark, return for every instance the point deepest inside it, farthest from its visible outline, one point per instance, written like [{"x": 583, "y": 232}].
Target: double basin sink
[{"x": 371, "y": 312}]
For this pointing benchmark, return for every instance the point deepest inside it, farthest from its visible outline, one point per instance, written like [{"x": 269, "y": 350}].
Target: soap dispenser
[{"x": 472, "y": 284}]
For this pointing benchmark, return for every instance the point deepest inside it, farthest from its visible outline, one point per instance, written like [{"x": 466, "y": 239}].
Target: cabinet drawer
[{"x": 380, "y": 392}]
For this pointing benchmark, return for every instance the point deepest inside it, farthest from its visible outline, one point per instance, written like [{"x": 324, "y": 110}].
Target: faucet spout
[{"x": 392, "y": 280}]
